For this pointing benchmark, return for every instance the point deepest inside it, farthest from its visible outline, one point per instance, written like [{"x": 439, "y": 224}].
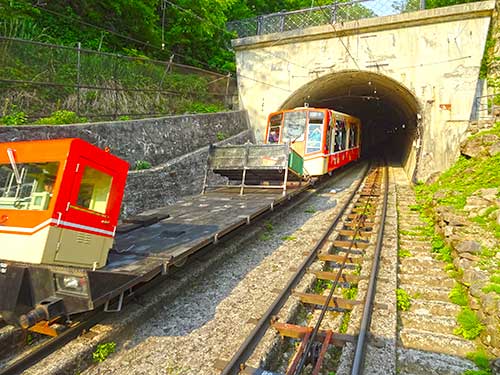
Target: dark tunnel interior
[{"x": 387, "y": 110}]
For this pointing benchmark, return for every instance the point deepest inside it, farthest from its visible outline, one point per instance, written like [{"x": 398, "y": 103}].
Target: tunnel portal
[{"x": 388, "y": 111}]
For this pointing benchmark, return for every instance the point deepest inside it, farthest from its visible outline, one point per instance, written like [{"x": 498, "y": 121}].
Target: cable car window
[
  {"x": 314, "y": 138},
  {"x": 340, "y": 135},
  {"x": 31, "y": 189},
  {"x": 274, "y": 128},
  {"x": 294, "y": 126},
  {"x": 353, "y": 135},
  {"x": 94, "y": 190},
  {"x": 316, "y": 117}
]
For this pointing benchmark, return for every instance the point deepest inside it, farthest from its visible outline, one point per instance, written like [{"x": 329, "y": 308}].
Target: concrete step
[
  {"x": 422, "y": 264},
  {"x": 440, "y": 279},
  {"x": 427, "y": 322},
  {"x": 431, "y": 307},
  {"x": 416, "y": 362},
  {"x": 435, "y": 342},
  {"x": 426, "y": 293}
]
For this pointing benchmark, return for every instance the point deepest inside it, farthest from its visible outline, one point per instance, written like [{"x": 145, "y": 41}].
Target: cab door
[{"x": 86, "y": 228}]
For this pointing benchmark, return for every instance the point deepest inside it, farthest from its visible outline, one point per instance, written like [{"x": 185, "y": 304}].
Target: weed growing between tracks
[
  {"x": 103, "y": 351},
  {"x": 403, "y": 299}
]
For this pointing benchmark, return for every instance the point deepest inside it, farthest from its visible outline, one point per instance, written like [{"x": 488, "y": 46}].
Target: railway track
[
  {"x": 36, "y": 353},
  {"x": 344, "y": 248}
]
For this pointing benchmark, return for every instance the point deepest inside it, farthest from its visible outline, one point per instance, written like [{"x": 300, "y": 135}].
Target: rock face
[
  {"x": 471, "y": 247},
  {"x": 480, "y": 145}
]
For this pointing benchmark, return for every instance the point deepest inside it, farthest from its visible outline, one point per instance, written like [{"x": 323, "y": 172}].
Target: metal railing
[
  {"x": 321, "y": 15},
  {"x": 488, "y": 107},
  {"x": 39, "y": 78}
]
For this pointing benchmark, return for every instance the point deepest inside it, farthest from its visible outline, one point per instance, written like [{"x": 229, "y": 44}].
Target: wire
[
  {"x": 147, "y": 44},
  {"x": 340, "y": 37}
]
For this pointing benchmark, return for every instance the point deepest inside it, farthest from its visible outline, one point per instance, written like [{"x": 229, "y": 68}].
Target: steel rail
[
  {"x": 248, "y": 346},
  {"x": 46, "y": 348},
  {"x": 324, "y": 308},
  {"x": 358, "y": 361}
]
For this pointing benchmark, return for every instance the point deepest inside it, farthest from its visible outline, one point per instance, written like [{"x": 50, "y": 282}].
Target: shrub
[
  {"x": 61, "y": 117},
  {"x": 103, "y": 351},
  {"x": 142, "y": 164},
  {"x": 15, "y": 118},
  {"x": 403, "y": 298},
  {"x": 469, "y": 324},
  {"x": 458, "y": 295}
]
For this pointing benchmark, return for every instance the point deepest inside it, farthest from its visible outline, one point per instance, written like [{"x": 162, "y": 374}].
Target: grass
[
  {"x": 268, "y": 229},
  {"x": 103, "y": 351},
  {"x": 403, "y": 299},
  {"x": 321, "y": 285},
  {"x": 310, "y": 210},
  {"x": 482, "y": 361},
  {"x": 469, "y": 325},
  {"x": 288, "y": 238},
  {"x": 458, "y": 295},
  {"x": 142, "y": 164},
  {"x": 403, "y": 253}
]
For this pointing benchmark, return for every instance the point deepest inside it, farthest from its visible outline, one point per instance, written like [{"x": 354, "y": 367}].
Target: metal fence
[
  {"x": 322, "y": 15},
  {"x": 39, "y": 78}
]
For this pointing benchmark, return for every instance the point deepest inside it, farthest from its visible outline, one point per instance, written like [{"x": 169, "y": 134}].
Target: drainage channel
[{"x": 343, "y": 248}]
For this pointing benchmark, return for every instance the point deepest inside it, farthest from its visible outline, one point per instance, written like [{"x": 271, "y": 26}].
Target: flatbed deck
[{"x": 189, "y": 225}]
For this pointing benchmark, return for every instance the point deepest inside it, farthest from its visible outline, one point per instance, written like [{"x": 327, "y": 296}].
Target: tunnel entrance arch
[{"x": 390, "y": 113}]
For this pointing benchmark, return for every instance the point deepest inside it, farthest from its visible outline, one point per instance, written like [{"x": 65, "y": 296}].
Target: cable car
[{"x": 323, "y": 139}]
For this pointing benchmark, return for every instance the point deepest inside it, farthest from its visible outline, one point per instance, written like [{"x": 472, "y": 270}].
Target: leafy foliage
[
  {"x": 103, "y": 351},
  {"x": 61, "y": 117},
  {"x": 458, "y": 295},
  {"x": 403, "y": 299},
  {"x": 469, "y": 324},
  {"x": 142, "y": 164}
]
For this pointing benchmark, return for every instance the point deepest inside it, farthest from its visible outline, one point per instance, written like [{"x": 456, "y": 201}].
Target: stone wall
[
  {"x": 155, "y": 140},
  {"x": 164, "y": 184},
  {"x": 176, "y": 146}
]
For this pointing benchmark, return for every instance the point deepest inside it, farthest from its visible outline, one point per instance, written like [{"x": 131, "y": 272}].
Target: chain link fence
[
  {"x": 38, "y": 79},
  {"x": 321, "y": 15}
]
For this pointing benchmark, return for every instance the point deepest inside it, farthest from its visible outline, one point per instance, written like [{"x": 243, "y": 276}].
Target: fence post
[
  {"x": 333, "y": 13},
  {"x": 259, "y": 24},
  {"x": 226, "y": 97},
  {"x": 282, "y": 21},
  {"x": 115, "y": 79},
  {"x": 422, "y": 4},
  {"x": 78, "y": 65}
]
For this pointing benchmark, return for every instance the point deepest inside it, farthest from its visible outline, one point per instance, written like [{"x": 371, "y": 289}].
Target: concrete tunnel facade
[{"x": 412, "y": 79}]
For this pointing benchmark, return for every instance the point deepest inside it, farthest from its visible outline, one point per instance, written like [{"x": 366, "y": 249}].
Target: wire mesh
[
  {"x": 322, "y": 15},
  {"x": 39, "y": 78}
]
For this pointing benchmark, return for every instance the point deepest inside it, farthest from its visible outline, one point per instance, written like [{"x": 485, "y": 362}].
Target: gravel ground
[{"x": 211, "y": 316}]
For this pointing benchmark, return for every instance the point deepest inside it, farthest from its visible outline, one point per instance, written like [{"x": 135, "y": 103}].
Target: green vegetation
[
  {"x": 221, "y": 136},
  {"x": 61, "y": 117},
  {"x": 142, "y": 164},
  {"x": 288, "y": 238},
  {"x": 458, "y": 295},
  {"x": 344, "y": 324},
  {"x": 310, "y": 210},
  {"x": 268, "y": 229},
  {"x": 403, "y": 299},
  {"x": 103, "y": 351},
  {"x": 482, "y": 361},
  {"x": 11, "y": 116},
  {"x": 403, "y": 253},
  {"x": 321, "y": 285},
  {"x": 469, "y": 324}
]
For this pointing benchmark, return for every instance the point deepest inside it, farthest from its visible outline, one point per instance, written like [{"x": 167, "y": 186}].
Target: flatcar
[
  {"x": 63, "y": 250},
  {"x": 322, "y": 139}
]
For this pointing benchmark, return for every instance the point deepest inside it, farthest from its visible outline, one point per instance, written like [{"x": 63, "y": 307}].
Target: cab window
[
  {"x": 31, "y": 189},
  {"x": 314, "y": 132},
  {"x": 94, "y": 190},
  {"x": 294, "y": 126},
  {"x": 274, "y": 128}
]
